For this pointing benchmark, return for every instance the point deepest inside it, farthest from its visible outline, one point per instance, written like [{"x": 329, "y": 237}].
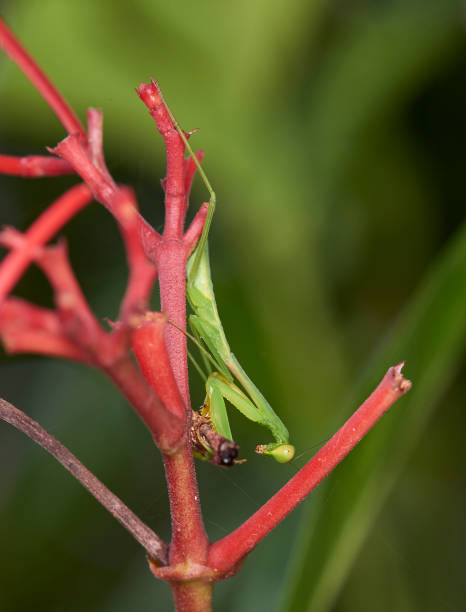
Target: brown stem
[{"x": 155, "y": 547}]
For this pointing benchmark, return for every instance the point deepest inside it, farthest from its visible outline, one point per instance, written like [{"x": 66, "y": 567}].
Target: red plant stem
[
  {"x": 142, "y": 272},
  {"x": 193, "y": 597},
  {"x": 26, "y": 328},
  {"x": 225, "y": 554},
  {"x": 174, "y": 183},
  {"x": 95, "y": 141},
  {"x": 151, "y": 353},
  {"x": 174, "y": 188},
  {"x": 39, "y": 233},
  {"x": 34, "y": 166},
  {"x": 39, "y": 341},
  {"x": 189, "y": 545},
  {"x": 171, "y": 252},
  {"x": 170, "y": 257},
  {"x": 75, "y": 313},
  {"x": 189, "y": 540},
  {"x": 71, "y": 149},
  {"x": 101, "y": 184},
  {"x": 54, "y": 99}
]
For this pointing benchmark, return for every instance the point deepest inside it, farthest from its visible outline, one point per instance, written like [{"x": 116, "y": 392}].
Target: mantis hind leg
[{"x": 219, "y": 389}]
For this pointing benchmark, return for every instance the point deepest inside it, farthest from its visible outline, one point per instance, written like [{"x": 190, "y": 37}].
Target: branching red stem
[
  {"x": 100, "y": 182},
  {"x": 76, "y": 154},
  {"x": 40, "y": 232},
  {"x": 72, "y": 331},
  {"x": 189, "y": 545}
]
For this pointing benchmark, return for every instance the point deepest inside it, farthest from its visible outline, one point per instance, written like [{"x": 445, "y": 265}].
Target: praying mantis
[{"x": 221, "y": 383}]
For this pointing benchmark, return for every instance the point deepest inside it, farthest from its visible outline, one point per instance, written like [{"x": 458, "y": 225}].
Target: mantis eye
[{"x": 227, "y": 453}]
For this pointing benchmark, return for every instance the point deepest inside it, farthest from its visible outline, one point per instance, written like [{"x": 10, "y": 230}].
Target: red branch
[
  {"x": 26, "y": 328},
  {"x": 95, "y": 142},
  {"x": 151, "y": 353},
  {"x": 141, "y": 271},
  {"x": 40, "y": 232},
  {"x": 76, "y": 154},
  {"x": 86, "y": 164},
  {"x": 225, "y": 554},
  {"x": 174, "y": 184},
  {"x": 172, "y": 251},
  {"x": 33, "y": 166},
  {"x": 54, "y": 99}
]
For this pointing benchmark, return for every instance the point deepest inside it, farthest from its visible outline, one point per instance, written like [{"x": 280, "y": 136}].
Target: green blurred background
[{"x": 334, "y": 135}]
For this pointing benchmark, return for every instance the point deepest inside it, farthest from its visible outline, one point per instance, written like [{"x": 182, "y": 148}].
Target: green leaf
[{"x": 430, "y": 336}]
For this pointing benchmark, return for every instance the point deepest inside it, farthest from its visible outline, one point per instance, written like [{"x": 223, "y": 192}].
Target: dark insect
[{"x": 209, "y": 445}]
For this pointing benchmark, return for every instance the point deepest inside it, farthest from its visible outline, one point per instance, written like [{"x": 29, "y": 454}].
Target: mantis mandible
[{"x": 208, "y": 330}]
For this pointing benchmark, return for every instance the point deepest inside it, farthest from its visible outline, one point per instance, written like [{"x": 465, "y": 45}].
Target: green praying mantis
[{"x": 221, "y": 383}]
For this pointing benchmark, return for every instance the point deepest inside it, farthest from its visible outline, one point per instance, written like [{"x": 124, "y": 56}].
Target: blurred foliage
[{"x": 334, "y": 136}]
